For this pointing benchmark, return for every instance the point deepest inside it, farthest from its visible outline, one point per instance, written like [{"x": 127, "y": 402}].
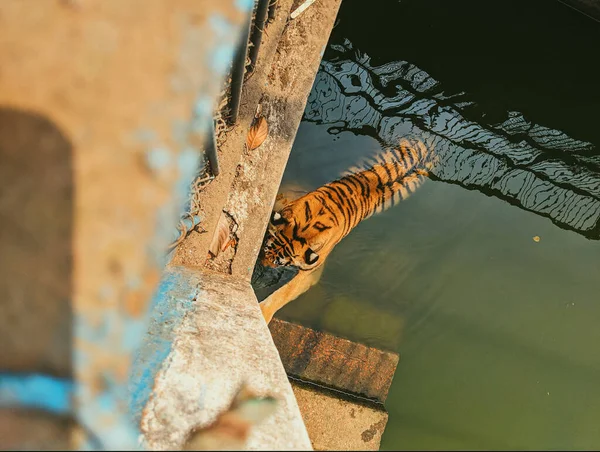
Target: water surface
[{"x": 497, "y": 331}]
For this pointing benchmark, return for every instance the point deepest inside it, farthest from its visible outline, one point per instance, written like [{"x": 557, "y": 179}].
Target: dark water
[{"x": 498, "y": 333}]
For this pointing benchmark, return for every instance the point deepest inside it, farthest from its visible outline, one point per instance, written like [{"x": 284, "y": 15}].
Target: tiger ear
[{"x": 311, "y": 257}]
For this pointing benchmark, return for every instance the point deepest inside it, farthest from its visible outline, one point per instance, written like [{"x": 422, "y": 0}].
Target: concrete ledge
[
  {"x": 338, "y": 424},
  {"x": 213, "y": 198},
  {"x": 290, "y": 81},
  {"x": 219, "y": 342}
]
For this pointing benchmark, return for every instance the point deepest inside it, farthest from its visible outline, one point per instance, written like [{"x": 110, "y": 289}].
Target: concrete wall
[{"x": 103, "y": 107}]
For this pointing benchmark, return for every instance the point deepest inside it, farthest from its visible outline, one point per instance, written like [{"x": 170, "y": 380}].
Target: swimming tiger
[{"x": 304, "y": 232}]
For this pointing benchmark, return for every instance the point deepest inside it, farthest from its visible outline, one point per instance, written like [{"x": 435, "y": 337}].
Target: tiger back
[{"x": 305, "y": 231}]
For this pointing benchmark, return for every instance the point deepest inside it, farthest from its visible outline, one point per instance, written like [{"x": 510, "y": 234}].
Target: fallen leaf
[
  {"x": 257, "y": 133},
  {"x": 536, "y": 239},
  {"x": 233, "y": 426},
  {"x": 220, "y": 239}
]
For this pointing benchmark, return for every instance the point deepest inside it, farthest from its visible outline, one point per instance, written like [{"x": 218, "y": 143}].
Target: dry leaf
[
  {"x": 257, "y": 133},
  {"x": 232, "y": 427},
  {"x": 536, "y": 239},
  {"x": 221, "y": 238}
]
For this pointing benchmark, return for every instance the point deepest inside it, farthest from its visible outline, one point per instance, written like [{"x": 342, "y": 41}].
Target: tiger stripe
[{"x": 313, "y": 224}]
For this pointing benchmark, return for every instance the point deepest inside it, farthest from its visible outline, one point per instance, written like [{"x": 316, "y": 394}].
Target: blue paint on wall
[
  {"x": 36, "y": 391},
  {"x": 203, "y": 108},
  {"x": 158, "y": 158},
  {"x": 108, "y": 332},
  {"x": 103, "y": 407},
  {"x": 223, "y": 52},
  {"x": 179, "y": 132},
  {"x": 244, "y": 5},
  {"x": 173, "y": 300}
]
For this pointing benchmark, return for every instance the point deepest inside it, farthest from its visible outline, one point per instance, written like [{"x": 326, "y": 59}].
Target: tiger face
[{"x": 301, "y": 234}]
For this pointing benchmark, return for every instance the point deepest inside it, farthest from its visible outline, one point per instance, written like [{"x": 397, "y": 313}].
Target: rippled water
[{"x": 497, "y": 331}]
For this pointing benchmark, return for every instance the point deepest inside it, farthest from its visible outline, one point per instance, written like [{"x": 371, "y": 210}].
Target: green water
[{"x": 498, "y": 334}]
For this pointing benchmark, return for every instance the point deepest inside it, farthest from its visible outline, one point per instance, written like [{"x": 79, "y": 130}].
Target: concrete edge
[{"x": 207, "y": 338}]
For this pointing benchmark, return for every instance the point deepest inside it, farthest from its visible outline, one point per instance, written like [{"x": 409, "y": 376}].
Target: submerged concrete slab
[
  {"x": 218, "y": 343},
  {"x": 334, "y": 423},
  {"x": 334, "y": 362}
]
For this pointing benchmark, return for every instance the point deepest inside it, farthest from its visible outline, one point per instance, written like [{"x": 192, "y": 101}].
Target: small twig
[{"x": 301, "y": 8}]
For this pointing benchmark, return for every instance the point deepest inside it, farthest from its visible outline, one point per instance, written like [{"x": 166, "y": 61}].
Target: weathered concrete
[
  {"x": 334, "y": 423},
  {"x": 281, "y": 85},
  {"x": 337, "y": 363},
  {"x": 221, "y": 339},
  {"x": 220, "y": 342},
  {"x": 27, "y": 430},
  {"x": 116, "y": 96},
  {"x": 289, "y": 83},
  {"x": 340, "y": 386},
  {"x": 213, "y": 198}
]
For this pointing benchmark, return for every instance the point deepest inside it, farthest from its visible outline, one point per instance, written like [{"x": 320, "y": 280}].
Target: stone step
[{"x": 327, "y": 360}]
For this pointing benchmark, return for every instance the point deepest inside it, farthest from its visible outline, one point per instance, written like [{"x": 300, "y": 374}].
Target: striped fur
[{"x": 305, "y": 231}]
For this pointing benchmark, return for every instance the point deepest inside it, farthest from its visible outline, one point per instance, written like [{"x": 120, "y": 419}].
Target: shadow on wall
[{"x": 36, "y": 263}]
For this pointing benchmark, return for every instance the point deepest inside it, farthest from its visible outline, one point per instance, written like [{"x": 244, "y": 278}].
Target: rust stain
[{"x": 373, "y": 430}]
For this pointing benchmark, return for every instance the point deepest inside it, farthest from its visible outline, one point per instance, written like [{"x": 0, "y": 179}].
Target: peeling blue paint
[
  {"x": 179, "y": 132},
  {"x": 173, "y": 300},
  {"x": 222, "y": 57},
  {"x": 187, "y": 162},
  {"x": 36, "y": 391},
  {"x": 158, "y": 158},
  {"x": 131, "y": 336},
  {"x": 113, "y": 413},
  {"x": 106, "y": 412},
  {"x": 223, "y": 53},
  {"x": 244, "y": 5}
]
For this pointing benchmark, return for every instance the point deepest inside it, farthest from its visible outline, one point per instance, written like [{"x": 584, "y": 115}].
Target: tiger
[{"x": 304, "y": 232}]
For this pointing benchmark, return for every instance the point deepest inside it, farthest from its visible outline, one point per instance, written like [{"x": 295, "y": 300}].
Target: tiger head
[{"x": 302, "y": 234}]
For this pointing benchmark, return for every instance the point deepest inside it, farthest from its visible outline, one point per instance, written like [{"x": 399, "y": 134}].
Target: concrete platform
[
  {"x": 335, "y": 423},
  {"x": 340, "y": 386},
  {"x": 218, "y": 342},
  {"x": 334, "y": 362}
]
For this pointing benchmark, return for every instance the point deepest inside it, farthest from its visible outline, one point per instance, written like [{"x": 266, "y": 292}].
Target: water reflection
[
  {"x": 497, "y": 332},
  {"x": 525, "y": 164}
]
